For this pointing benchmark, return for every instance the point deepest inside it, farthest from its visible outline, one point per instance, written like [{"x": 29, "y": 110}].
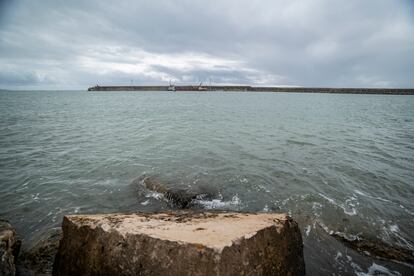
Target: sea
[{"x": 341, "y": 165}]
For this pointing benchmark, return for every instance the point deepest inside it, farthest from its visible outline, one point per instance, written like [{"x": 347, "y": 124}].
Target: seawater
[{"x": 335, "y": 163}]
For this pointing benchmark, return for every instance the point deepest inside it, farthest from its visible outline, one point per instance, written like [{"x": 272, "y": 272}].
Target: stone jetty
[
  {"x": 247, "y": 88},
  {"x": 180, "y": 243}
]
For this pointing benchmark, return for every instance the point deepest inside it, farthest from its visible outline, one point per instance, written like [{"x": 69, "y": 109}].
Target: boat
[
  {"x": 201, "y": 87},
  {"x": 171, "y": 87}
]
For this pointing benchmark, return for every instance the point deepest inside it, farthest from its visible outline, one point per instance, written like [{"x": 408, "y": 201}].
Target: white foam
[
  {"x": 373, "y": 197},
  {"x": 376, "y": 269},
  {"x": 352, "y": 212},
  {"x": 406, "y": 210},
  {"x": 219, "y": 203},
  {"x": 328, "y": 199},
  {"x": 207, "y": 204},
  {"x": 154, "y": 195},
  {"x": 391, "y": 232},
  {"x": 263, "y": 188},
  {"x": 360, "y": 193},
  {"x": 145, "y": 203},
  {"x": 397, "y": 233},
  {"x": 324, "y": 227},
  {"x": 35, "y": 197},
  {"x": 307, "y": 230},
  {"x": 236, "y": 200},
  {"x": 244, "y": 180},
  {"x": 394, "y": 228},
  {"x": 338, "y": 256},
  {"x": 350, "y": 204}
]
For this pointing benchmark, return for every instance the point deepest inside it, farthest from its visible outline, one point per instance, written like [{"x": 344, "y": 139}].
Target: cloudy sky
[{"x": 59, "y": 44}]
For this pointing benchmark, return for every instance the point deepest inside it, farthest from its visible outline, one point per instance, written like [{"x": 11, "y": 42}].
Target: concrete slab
[{"x": 183, "y": 243}]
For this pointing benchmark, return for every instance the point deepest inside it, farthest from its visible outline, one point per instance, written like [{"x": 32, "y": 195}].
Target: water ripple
[{"x": 345, "y": 161}]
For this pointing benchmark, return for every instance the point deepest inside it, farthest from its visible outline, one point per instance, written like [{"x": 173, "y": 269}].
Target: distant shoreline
[{"x": 229, "y": 88}]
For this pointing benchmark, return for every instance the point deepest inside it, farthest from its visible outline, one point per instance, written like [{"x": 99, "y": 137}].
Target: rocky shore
[
  {"x": 37, "y": 260},
  {"x": 148, "y": 244},
  {"x": 179, "y": 243}
]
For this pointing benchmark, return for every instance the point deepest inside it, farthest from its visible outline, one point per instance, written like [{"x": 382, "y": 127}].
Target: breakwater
[{"x": 245, "y": 88}]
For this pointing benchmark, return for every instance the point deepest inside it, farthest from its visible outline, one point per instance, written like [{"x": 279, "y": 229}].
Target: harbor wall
[{"x": 229, "y": 88}]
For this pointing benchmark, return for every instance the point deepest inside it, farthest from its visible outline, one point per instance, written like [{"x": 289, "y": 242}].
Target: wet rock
[
  {"x": 177, "y": 198},
  {"x": 9, "y": 248},
  {"x": 373, "y": 247},
  {"x": 378, "y": 248},
  {"x": 181, "y": 243},
  {"x": 154, "y": 185},
  {"x": 40, "y": 258}
]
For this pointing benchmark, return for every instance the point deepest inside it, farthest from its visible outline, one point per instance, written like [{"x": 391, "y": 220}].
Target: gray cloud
[{"x": 74, "y": 44}]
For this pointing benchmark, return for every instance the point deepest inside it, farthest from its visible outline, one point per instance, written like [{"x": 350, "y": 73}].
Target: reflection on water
[{"x": 336, "y": 163}]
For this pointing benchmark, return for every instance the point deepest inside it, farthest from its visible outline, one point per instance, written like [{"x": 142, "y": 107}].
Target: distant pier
[{"x": 245, "y": 88}]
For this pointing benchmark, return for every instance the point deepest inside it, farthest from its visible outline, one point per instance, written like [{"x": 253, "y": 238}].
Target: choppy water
[{"x": 342, "y": 163}]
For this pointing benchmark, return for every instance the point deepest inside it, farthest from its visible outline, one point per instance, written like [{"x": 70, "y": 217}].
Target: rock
[
  {"x": 39, "y": 259},
  {"x": 154, "y": 185},
  {"x": 9, "y": 248},
  {"x": 378, "y": 248},
  {"x": 371, "y": 246},
  {"x": 181, "y": 243},
  {"x": 176, "y": 198}
]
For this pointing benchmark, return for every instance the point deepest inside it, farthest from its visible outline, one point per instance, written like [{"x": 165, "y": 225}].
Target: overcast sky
[{"x": 74, "y": 44}]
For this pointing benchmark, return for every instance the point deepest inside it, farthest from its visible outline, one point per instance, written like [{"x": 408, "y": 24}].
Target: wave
[{"x": 234, "y": 203}]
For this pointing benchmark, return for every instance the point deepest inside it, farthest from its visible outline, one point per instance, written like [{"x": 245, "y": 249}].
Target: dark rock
[
  {"x": 378, "y": 248},
  {"x": 372, "y": 246},
  {"x": 9, "y": 249},
  {"x": 176, "y": 198},
  {"x": 39, "y": 259}
]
